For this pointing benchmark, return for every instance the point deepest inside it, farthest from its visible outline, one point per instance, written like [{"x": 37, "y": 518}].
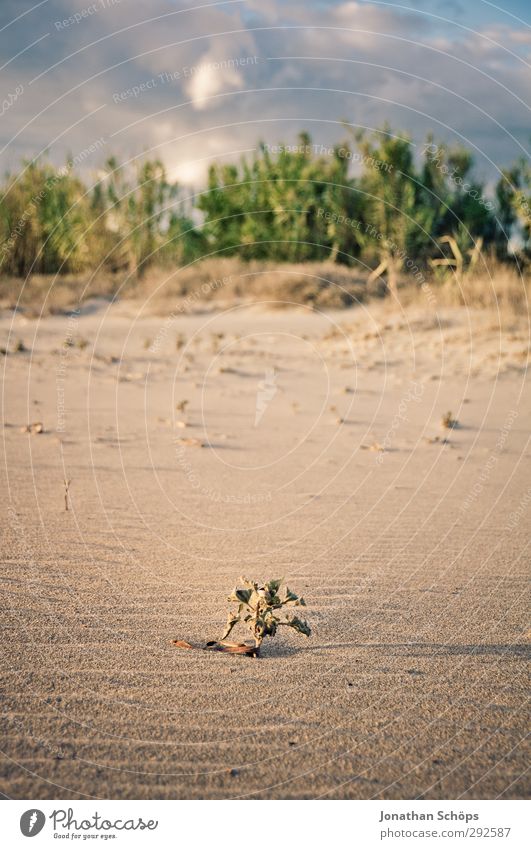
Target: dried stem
[{"x": 67, "y": 487}]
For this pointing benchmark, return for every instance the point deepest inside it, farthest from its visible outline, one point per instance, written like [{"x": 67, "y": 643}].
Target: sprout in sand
[
  {"x": 259, "y": 608},
  {"x": 448, "y": 422}
]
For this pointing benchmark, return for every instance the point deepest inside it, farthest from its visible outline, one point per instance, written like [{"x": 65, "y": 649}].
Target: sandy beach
[{"x": 250, "y": 440}]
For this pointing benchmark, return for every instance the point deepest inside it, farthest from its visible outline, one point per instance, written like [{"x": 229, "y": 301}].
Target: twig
[{"x": 67, "y": 486}]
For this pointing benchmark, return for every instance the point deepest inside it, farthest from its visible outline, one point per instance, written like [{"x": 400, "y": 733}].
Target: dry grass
[
  {"x": 48, "y": 293},
  {"x": 322, "y": 285},
  {"x": 498, "y": 288},
  {"x": 228, "y": 280}
]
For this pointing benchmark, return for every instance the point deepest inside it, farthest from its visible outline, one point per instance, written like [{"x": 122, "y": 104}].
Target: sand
[{"x": 311, "y": 448}]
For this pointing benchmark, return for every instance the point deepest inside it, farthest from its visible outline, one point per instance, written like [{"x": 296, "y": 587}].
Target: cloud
[
  {"x": 213, "y": 79},
  {"x": 209, "y": 79}
]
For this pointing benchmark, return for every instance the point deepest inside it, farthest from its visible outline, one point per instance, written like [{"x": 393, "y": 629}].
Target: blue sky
[{"x": 191, "y": 83}]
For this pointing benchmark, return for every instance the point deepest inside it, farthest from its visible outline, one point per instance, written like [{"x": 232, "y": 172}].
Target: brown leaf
[
  {"x": 233, "y": 648},
  {"x": 190, "y": 441},
  {"x": 248, "y": 649},
  {"x": 182, "y": 644}
]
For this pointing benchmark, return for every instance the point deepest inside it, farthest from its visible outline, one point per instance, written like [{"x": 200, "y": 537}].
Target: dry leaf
[
  {"x": 233, "y": 648},
  {"x": 223, "y": 646},
  {"x": 182, "y": 644},
  {"x": 35, "y": 427},
  {"x": 191, "y": 441}
]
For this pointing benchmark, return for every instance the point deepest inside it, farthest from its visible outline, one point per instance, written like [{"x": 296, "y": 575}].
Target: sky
[{"x": 192, "y": 83}]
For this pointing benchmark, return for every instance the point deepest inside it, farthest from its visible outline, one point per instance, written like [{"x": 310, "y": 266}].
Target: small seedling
[
  {"x": 20, "y": 348},
  {"x": 67, "y": 487},
  {"x": 432, "y": 439},
  {"x": 182, "y": 405},
  {"x": 258, "y": 606},
  {"x": 448, "y": 421}
]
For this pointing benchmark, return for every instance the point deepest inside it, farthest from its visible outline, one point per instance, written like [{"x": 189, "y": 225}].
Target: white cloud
[{"x": 211, "y": 78}]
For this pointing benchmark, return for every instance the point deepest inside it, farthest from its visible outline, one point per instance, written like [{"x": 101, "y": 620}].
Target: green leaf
[
  {"x": 290, "y": 596},
  {"x": 273, "y": 587},
  {"x": 241, "y": 595},
  {"x": 299, "y": 625},
  {"x": 274, "y": 601},
  {"x": 244, "y": 595}
]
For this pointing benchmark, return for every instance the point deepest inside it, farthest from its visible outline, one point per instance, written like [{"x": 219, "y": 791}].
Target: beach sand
[{"x": 310, "y": 447}]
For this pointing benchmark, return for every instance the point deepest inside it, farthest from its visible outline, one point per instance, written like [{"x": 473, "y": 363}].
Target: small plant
[
  {"x": 448, "y": 421},
  {"x": 258, "y": 608}
]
